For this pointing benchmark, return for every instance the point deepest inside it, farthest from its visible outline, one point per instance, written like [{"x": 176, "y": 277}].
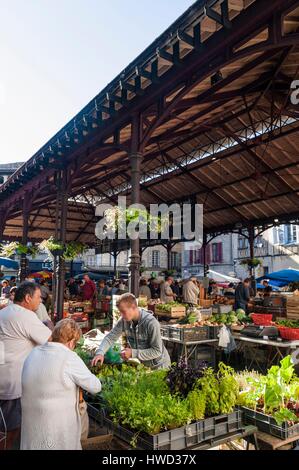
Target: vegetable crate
[
  {"x": 267, "y": 424},
  {"x": 195, "y": 333},
  {"x": 218, "y": 308},
  {"x": 173, "y": 312},
  {"x": 181, "y": 438},
  {"x": 164, "y": 331}
]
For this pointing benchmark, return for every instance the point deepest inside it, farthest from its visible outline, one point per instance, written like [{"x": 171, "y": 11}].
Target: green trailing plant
[
  {"x": 117, "y": 218},
  {"x": 69, "y": 251},
  {"x": 16, "y": 248},
  {"x": 51, "y": 245},
  {"x": 74, "y": 249},
  {"x": 252, "y": 262}
]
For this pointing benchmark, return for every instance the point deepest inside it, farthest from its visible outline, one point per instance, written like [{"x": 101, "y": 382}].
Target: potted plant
[
  {"x": 52, "y": 246},
  {"x": 169, "y": 272},
  {"x": 16, "y": 248},
  {"x": 73, "y": 249},
  {"x": 252, "y": 262}
]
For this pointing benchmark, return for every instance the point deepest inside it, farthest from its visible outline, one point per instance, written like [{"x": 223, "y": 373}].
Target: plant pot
[{"x": 58, "y": 252}]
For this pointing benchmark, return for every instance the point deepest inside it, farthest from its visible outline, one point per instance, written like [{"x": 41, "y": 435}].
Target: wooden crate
[
  {"x": 293, "y": 307},
  {"x": 206, "y": 303},
  {"x": 175, "y": 312}
]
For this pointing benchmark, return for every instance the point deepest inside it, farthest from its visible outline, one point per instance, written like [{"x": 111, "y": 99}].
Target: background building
[
  {"x": 277, "y": 248},
  {"x": 7, "y": 169}
]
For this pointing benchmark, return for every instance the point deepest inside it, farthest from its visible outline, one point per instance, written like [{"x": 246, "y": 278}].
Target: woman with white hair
[{"x": 51, "y": 378}]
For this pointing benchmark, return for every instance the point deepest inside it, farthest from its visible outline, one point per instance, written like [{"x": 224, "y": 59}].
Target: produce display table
[
  {"x": 268, "y": 442},
  {"x": 248, "y": 433},
  {"x": 194, "y": 349},
  {"x": 277, "y": 350}
]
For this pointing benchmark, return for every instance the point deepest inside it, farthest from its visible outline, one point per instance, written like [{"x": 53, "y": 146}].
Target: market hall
[{"x": 203, "y": 116}]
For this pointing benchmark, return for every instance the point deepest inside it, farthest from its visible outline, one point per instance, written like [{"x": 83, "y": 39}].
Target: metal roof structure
[{"x": 215, "y": 122}]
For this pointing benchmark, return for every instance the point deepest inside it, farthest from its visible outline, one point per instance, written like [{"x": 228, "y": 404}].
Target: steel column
[
  {"x": 60, "y": 269},
  {"x": 251, "y": 233},
  {"x": 135, "y": 161},
  {"x": 27, "y": 203}
]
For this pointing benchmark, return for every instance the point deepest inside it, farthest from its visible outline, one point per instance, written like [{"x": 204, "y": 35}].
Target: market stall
[{"x": 202, "y": 407}]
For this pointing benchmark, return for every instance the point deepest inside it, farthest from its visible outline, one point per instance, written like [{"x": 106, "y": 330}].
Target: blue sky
[{"x": 55, "y": 55}]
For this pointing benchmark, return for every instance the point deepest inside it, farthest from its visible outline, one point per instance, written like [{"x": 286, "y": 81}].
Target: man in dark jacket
[{"x": 242, "y": 295}]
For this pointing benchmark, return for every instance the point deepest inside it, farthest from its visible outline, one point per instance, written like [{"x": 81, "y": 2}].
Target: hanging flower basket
[
  {"x": 69, "y": 251},
  {"x": 16, "y": 248},
  {"x": 252, "y": 263}
]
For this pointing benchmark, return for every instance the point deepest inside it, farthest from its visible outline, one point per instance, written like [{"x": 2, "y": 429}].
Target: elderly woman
[{"x": 51, "y": 378}]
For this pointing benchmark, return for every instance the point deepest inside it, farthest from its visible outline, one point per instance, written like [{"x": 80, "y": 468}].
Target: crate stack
[
  {"x": 293, "y": 307},
  {"x": 80, "y": 312},
  {"x": 176, "y": 311}
]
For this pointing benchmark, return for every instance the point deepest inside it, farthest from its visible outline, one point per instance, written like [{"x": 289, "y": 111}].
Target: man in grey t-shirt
[{"x": 20, "y": 331}]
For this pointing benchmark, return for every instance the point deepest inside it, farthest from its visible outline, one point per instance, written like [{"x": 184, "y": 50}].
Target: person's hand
[
  {"x": 126, "y": 354},
  {"x": 99, "y": 358}
]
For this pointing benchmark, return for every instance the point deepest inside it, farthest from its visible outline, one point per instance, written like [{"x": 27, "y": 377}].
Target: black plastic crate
[
  {"x": 164, "y": 331},
  {"x": 267, "y": 424},
  {"x": 96, "y": 413},
  {"x": 214, "y": 331},
  {"x": 192, "y": 333},
  {"x": 180, "y": 438}
]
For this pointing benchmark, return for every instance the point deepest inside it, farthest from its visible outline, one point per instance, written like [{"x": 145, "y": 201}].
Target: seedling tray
[
  {"x": 181, "y": 438},
  {"x": 267, "y": 424}
]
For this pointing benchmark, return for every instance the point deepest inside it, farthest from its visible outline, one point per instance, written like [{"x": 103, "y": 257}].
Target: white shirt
[
  {"x": 51, "y": 378},
  {"x": 190, "y": 292},
  {"x": 20, "y": 331},
  {"x": 42, "y": 313},
  {"x": 165, "y": 292}
]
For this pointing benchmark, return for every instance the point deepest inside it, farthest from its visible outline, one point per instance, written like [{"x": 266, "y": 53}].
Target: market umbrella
[
  {"x": 282, "y": 277},
  {"x": 218, "y": 277},
  {"x": 261, "y": 286},
  {"x": 41, "y": 275},
  {"x": 9, "y": 263},
  {"x": 93, "y": 276}
]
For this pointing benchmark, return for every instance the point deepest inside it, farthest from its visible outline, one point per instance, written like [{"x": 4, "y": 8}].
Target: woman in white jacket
[{"x": 51, "y": 378}]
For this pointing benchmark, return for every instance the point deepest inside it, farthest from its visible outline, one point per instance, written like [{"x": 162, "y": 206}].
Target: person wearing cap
[{"x": 191, "y": 291}]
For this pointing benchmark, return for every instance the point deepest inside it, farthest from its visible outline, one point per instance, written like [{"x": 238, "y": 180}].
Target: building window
[
  {"x": 175, "y": 259},
  {"x": 278, "y": 235},
  {"x": 291, "y": 233},
  {"x": 266, "y": 270},
  {"x": 242, "y": 243},
  {"x": 259, "y": 242},
  {"x": 217, "y": 256},
  {"x": 155, "y": 259},
  {"x": 285, "y": 234}
]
